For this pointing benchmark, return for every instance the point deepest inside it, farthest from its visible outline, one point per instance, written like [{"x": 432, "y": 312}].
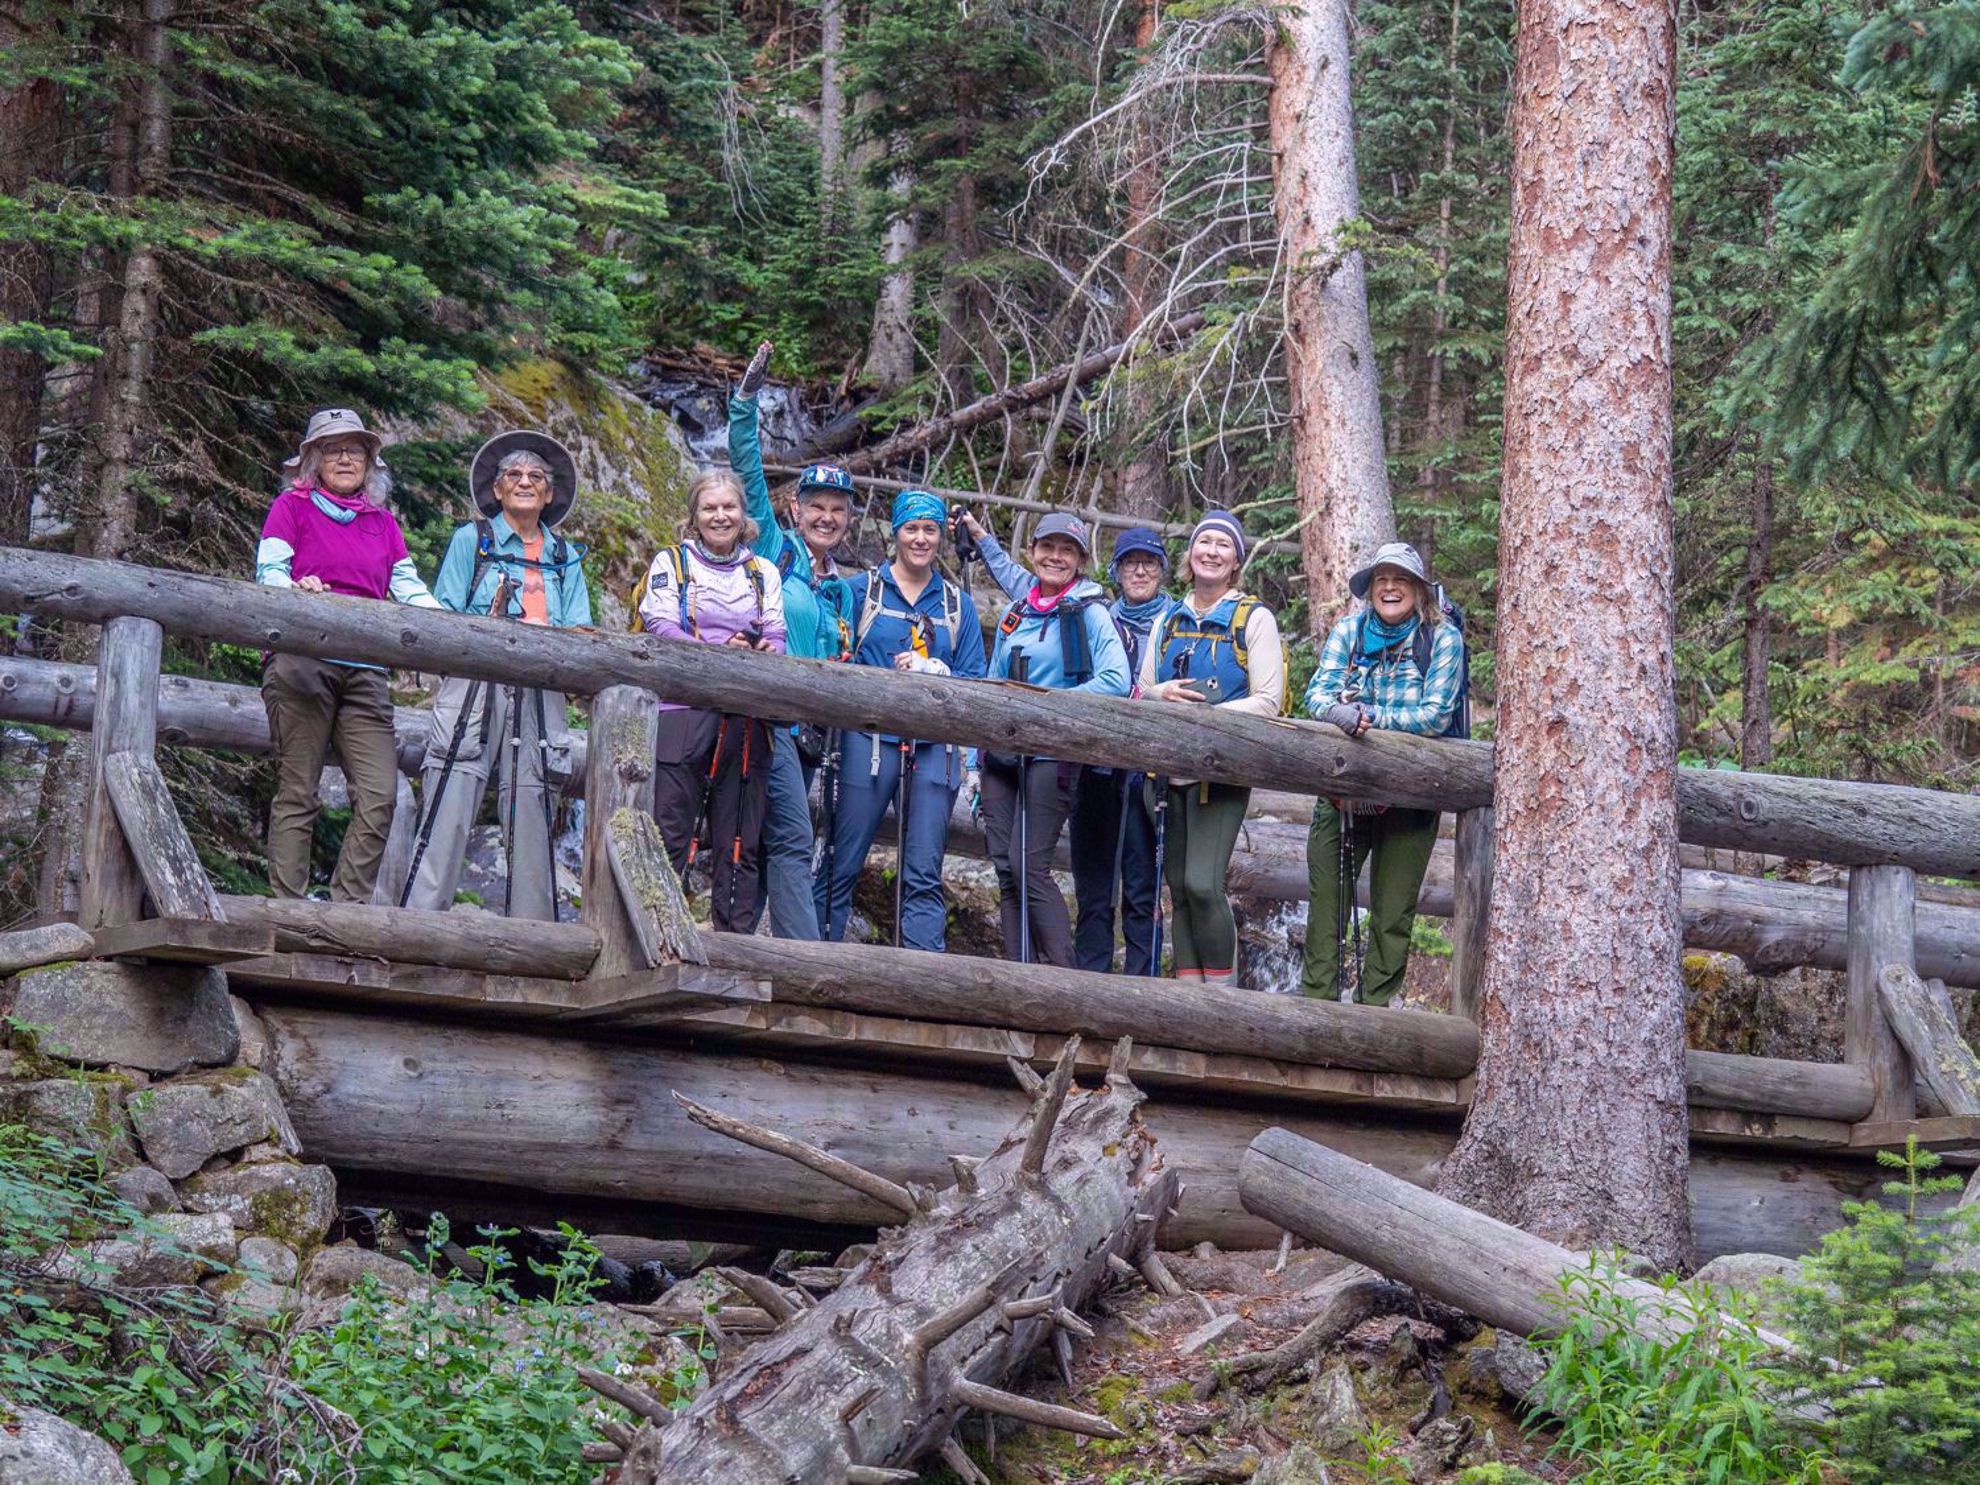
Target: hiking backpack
[
  {"x": 873, "y": 605},
  {"x": 1075, "y": 650},
  {"x": 485, "y": 553},
  {"x": 1183, "y": 623},
  {"x": 677, "y": 558}
]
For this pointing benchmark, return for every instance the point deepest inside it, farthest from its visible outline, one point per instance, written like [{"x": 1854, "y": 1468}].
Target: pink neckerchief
[{"x": 1039, "y": 603}]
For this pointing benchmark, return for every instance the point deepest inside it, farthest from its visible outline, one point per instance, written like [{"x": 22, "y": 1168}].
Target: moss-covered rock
[{"x": 294, "y": 1204}]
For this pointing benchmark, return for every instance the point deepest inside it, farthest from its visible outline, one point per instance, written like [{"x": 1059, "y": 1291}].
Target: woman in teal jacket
[
  {"x": 818, "y": 607},
  {"x": 1059, "y": 636}
]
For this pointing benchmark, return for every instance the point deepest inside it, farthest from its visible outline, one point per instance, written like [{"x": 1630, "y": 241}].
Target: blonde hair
[
  {"x": 718, "y": 479},
  {"x": 377, "y": 478}
]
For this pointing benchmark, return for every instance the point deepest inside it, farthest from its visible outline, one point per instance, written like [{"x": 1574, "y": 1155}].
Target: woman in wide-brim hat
[
  {"x": 330, "y": 531},
  {"x": 1397, "y": 664},
  {"x": 510, "y": 562}
]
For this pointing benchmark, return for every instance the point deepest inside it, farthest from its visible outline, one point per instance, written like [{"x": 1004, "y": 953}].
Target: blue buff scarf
[
  {"x": 1141, "y": 617},
  {"x": 1378, "y": 634}
]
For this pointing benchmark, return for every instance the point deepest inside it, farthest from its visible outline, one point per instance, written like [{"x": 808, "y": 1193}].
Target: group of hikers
[{"x": 741, "y": 789}]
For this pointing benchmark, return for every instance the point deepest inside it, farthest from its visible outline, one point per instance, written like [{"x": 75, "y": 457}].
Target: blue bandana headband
[{"x": 918, "y": 505}]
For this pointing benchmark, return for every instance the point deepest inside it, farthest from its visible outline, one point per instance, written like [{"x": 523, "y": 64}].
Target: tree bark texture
[
  {"x": 592, "y": 1118},
  {"x": 890, "y": 345},
  {"x": 831, "y": 111},
  {"x": 1820, "y": 819},
  {"x": 1144, "y": 483},
  {"x": 30, "y": 118},
  {"x": 1340, "y": 469},
  {"x": 1578, "y": 1130},
  {"x": 867, "y": 1375},
  {"x": 1756, "y": 718}
]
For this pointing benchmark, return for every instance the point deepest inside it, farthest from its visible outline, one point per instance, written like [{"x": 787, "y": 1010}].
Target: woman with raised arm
[
  {"x": 1059, "y": 636},
  {"x": 331, "y": 531},
  {"x": 711, "y": 589},
  {"x": 1219, "y": 647},
  {"x": 510, "y": 562},
  {"x": 909, "y": 618},
  {"x": 818, "y": 608},
  {"x": 1399, "y": 664}
]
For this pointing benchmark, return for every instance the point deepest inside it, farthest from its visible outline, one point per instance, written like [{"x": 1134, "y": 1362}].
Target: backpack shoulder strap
[
  {"x": 787, "y": 559},
  {"x": 759, "y": 586},
  {"x": 1240, "y": 621},
  {"x": 869, "y": 607},
  {"x": 952, "y": 607},
  {"x": 484, "y": 553},
  {"x": 1013, "y": 616}
]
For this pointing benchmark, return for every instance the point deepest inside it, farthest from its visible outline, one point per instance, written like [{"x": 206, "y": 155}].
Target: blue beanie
[
  {"x": 1144, "y": 540},
  {"x": 1224, "y": 521},
  {"x": 918, "y": 505}
]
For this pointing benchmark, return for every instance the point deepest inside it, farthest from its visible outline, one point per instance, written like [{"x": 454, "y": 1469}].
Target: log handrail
[{"x": 1845, "y": 822}]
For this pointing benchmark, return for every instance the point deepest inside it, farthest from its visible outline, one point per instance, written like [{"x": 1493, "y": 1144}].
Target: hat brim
[
  {"x": 488, "y": 461},
  {"x": 1360, "y": 582},
  {"x": 374, "y": 441}
]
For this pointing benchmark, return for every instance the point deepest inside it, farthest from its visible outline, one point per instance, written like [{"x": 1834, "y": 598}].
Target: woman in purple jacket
[
  {"x": 330, "y": 531},
  {"x": 712, "y": 589}
]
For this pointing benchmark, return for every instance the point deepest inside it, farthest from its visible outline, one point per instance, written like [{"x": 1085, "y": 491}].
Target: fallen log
[
  {"x": 1926, "y": 1025},
  {"x": 483, "y": 942},
  {"x": 876, "y": 1375},
  {"x": 591, "y": 1118},
  {"x": 1851, "y": 823},
  {"x": 988, "y": 409}
]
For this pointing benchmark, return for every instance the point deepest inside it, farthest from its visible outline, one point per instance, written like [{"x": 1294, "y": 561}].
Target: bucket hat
[
  {"x": 488, "y": 463},
  {"x": 1398, "y": 554},
  {"x": 329, "y": 422},
  {"x": 1071, "y": 527}
]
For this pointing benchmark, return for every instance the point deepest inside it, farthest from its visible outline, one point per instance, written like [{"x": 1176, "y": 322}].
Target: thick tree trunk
[
  {"x": 1756, "y": 721},
  {"x": 955, "y": 349},
  {"x": 1578, "y": 1130},
  {"x": 879, "y": 1372},
  {"x": 1340, "y": 472},
  {"x": 1144, "y": 483},
  {"x": 29, "y": 119},
  {"x": 890, "y": 346}
]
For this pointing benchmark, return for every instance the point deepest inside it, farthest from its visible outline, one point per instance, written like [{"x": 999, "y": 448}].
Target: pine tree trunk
[
  {"x": 889, "y": 362},
  {"x": 1756, "y": 721},
  {"x": 954, "y": 350},
  {"x": 1577, "y": 1132},
  {"x": 29, "y": 116},
  {"x": 1340, "y": 472},
  {"x": 831, "y": 111},
  {"x": 1144, "y": 485}
]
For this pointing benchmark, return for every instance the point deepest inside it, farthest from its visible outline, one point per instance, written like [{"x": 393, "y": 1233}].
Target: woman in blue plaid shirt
[{"x": 1395, "y": 663}]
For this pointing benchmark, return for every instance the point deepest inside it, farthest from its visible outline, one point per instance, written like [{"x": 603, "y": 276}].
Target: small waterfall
[
  {"x": 1272, "y": 936},
  {"x": 700, "y": 409}
]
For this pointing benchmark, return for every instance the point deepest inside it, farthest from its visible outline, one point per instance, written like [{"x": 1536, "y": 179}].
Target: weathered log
[
  {"x": 988, "y": 409},
  {"x": 619, "y": 777},
  {"x": 1882, "y": 932},
  {"x": 1816, "y": 818},
  {"x": 174, "y": 879},
  {"x": 1922, "y": 1018},
  {"x": 128, "y": 661},
  {"x": 1470, "y": 908},
  {"x": 593, "y": 1119},
  {"x": 483, "y": 942},
  {"x": 1478, "y": 1264},
  {"x": 875, "y": 1376},
  {"x": 49, "y": 944}
]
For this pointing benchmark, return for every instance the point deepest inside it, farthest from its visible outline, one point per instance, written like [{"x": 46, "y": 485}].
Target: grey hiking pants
[{"x": 523, "y": 736}]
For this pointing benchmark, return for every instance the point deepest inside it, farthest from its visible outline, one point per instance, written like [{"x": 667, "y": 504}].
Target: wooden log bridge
[
  {"x": 465, "y": 1059},
  {"x": 1850, "y": 823}
]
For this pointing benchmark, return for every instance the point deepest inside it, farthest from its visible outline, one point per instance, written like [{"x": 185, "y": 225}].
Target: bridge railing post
[
  {"x": 126, "y": 722},
  {"x": 624, "y": 737},
  {"x": 1882, "y": 930},
  {"x": 1471, "y": 906}
]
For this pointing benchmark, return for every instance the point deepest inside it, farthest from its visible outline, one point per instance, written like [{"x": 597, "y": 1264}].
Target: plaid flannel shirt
[{"x": 1387, "y": 680}]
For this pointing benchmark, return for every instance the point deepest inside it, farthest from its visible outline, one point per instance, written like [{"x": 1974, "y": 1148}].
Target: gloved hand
[
  {"x": 756, "y": 373},
  {"x": 1349, "y": 716}
]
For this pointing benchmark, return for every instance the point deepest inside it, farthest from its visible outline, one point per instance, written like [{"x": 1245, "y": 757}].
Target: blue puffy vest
[{"x": 1209, "y": 652}]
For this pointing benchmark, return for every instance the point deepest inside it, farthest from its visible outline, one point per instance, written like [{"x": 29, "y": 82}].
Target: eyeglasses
[
  {"x": 346, "y": 451},
  {"x": 525, "y": 477}
]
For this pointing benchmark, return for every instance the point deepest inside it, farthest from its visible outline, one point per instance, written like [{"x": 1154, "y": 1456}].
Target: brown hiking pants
[{"x": 313, "y": 704}]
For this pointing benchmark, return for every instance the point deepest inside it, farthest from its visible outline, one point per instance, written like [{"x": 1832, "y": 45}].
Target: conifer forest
[{"x": 996, "y": 742}]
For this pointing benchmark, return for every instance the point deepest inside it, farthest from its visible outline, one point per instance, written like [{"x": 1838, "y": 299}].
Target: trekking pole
[
  {"x": 515, "y": 799},
  {"x": 1345, "y": 980},
  {"x": 1161, "y": 850},
  {"x": 902, "y": 793},
  {"x": 1019, "y": 668},
  {"x": 430, "y": 811},
  {"x": 549, "y": 801}
]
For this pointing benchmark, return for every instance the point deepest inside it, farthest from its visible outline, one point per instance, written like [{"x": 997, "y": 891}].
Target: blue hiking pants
[
  {"x": 1113, "y": 862},
  {"x": 786, "y": 883},
  {"x": 866, "y": 789}
]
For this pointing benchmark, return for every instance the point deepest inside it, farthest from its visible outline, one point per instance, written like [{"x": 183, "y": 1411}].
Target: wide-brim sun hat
[
  {"x": 1071, "y": 527},
  {"x": 332, "y": 422},
  {"x": 488, "y": 464},
  {"x": 1397, "y": 554}
]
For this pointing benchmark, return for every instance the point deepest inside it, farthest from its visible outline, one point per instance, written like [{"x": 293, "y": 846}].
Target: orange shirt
[{"x": 535, "y": 602}]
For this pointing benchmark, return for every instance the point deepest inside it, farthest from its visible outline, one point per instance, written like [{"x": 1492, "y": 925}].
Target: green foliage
[
  {"x": 1886, "y": 1322},
  {"x": 456, "y": 1382},
  {"x": 1678, "y": 1411}
]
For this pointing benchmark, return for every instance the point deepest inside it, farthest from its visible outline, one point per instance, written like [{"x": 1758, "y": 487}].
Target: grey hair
[
  {"x": 521, "y": 459},
  {"x": 377, "y": 477}
]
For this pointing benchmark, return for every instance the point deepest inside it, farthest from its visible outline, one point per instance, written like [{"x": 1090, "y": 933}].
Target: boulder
[
  {"x": 146, "y": 1190},
  {"x": 1299, "y": 1465},
  {"x": 161, "y": 1018},
  {"x": 267, "y": 1259},
  {"x": 253, "y": 1035},
  {"x": 27, "y": 947},
  {"x": 1338, "y": 1422},
  {"x": 1519, "y": 1365},
  {"x": 295, "y": 1204},
  {"x": 1756, "y": 1277},
  {"x": 334, "y": 1272},
  {"x": 252, "y": 1301},
  {"x": 185, "y": 1123},
  {"x": 173, "y": 1249},
  {"x": 87, "y": 1113},
  {"x": 37, "y": 1448}
]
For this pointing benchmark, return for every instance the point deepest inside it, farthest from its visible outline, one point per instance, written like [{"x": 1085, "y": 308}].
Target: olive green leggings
[{"x": 1202, "y": 831}]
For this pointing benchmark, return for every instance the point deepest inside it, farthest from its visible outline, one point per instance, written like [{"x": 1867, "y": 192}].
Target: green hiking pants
[
  {"x": 1396, "y": 843},
  {"x": 1203, "y": 825}
]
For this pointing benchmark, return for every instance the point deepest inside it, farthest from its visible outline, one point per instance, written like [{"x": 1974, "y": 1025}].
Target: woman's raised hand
[{"x": 757, "y": 372}]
